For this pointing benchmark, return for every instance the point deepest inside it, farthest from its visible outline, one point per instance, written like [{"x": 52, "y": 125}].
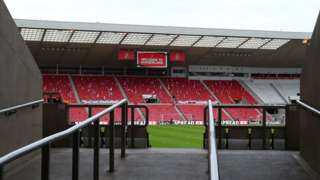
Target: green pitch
[{"x": 176, "y": 136}]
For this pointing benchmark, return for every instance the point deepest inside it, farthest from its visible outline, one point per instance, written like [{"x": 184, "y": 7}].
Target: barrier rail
[
  {"x": 44, "y": 144},
  {"x": 13, "y": 109},
  {"x": 132, "y": 107},
  {"x": 212, "y": 148},
  {"x": 264, "y": 126}
]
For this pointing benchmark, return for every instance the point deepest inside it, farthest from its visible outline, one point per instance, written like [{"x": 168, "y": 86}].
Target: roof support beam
[
  {"x": 264, "y": 44},
  {"x": 124, "y": 37},
  {"x": 173, "y": 40},
  {"x": 148, "y": 40},
  {"x": 243, "y": 43}
]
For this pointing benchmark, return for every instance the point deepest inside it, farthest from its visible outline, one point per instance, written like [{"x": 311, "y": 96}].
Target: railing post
[
  {"x": 132, "y": 127},
  {"x": 75, "y": 155},
  {"x": 264, "y": 125},
  {"x": 285, "y": 127},
  {"x": 89, "y": 128},
  {"x": 45, "y": 162},
  {"x": 219, "y": 128},
  {"x": 96, "y": 150},
  {"x": 123, "y": 129},
  {"x": 111, "y": 141}
]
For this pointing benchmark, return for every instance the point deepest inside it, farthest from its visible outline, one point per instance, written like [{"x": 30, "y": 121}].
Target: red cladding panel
[
  {"x": 126, "y": 55},
  {"x": 151, "y": 59},
  {"x": 177, "y": 56}
]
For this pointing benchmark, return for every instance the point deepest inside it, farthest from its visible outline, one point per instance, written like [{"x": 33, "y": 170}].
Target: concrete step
[{"x": 173, "y": 164}]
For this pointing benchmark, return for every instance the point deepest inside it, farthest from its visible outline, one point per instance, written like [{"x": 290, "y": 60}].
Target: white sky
[{"x": 283, "y": 15}]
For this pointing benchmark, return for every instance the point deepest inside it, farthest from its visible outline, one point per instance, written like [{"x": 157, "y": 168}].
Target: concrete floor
[
  {"x": 175, "y": 164},
  {"x": 261, "y": 165}
]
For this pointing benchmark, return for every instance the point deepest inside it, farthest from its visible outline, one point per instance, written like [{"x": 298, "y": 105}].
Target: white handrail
[
  {"x": 13, "y": 108},
  {"x": 310, "y": 108},
  {"x": 212, "y": 146}
]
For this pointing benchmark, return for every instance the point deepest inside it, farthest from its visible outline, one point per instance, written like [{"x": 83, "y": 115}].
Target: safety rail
[
  {"x": 307, "y": 107},
  {"x": 44, "y": 144},
  {"x": 212, "y": 148},
  {"x": 132, "y": 117},
  {"x": 264, "y": 126},
  {"x": 13, "y": 109}
]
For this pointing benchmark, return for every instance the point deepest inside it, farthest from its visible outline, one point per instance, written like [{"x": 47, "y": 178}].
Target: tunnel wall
[
  {"x": 20, "y": 82},
  {"x": 310, "y": 93}
]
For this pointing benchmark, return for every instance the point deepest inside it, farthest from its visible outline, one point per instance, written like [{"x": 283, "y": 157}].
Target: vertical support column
[
  {"x": 96, "y": 149},
  {"x": 123, "y": 129},
  {"x": 45, "y": 162},
  {"x": 75, "y": 155},
  {"x": 111, "y": 141},
  {"x": 264, "y": 125},
  {"x": 90, "y": 136},
  {"x": 147, "y": 123},
  {"x": 132, "y": 127},
  {"x": 205, "y": 120},
  {"x": 219, "y": 127},
  {"x": 285, "y": 128}
]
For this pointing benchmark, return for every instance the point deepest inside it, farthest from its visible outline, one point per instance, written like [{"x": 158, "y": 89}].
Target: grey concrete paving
[
  {"x": 176, "y": 164},
  {"x": 157, "y": 164},
  {"x": 260, "y": 165}
]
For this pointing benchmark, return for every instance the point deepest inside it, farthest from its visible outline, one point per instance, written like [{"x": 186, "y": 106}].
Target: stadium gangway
[
  {"x": 264, "y": 126},
  {"x": 13, "y": 109},
  {"x": 44, "y": 144},
  {"x": 212, "y": 148}
]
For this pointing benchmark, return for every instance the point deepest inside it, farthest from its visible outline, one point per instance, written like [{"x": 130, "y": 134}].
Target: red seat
[
  {"x": 97, "y": 88},
  {"x": 195, "y": 112},
  {"x": 135, "y": 87},
  {"x": 185, "y": 90},
  {"x": 61, "y": 84},
  {"x": 230, "y": 91}
]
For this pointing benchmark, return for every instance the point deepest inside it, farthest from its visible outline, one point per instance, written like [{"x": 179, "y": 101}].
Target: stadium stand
[
  {"x": 230, "y": 92},
  {"x": 61, "y": 84},
  {"x": 97, "y": 88},
  {"x": 185, "y": 90},
  {"x": 195, "y": 112},
  {"x": 287, "y": 87},
  {"x": 264, "y": 90},
  {"x": 188, "y": 94},
  {"x": 160, "y": 113},
  {"x": 136, "y": 87}
]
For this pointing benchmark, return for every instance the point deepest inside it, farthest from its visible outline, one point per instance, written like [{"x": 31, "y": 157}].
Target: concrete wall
[
  {"x": 310, "y": 93},
  {"x": 20, "y": 82}
]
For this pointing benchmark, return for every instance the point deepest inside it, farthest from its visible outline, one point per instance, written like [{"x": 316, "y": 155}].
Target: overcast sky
[{"x": 283, "y": 15}]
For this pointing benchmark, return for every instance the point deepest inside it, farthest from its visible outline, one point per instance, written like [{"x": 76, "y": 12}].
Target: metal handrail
[
  {"x": 14, "y": 108},
  {"x": 45, "y": 142},
  {"x": 212, "y": 148},
  {"x": 306, "y": 106}
]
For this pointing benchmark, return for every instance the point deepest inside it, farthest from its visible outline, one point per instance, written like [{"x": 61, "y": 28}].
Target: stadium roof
[
  {"x": 56, "y": 42},
  {"x": 53, "y": 31}
]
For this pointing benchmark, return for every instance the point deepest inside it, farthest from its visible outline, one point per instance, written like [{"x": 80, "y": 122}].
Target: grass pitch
[{"x": 176, "y": 136}]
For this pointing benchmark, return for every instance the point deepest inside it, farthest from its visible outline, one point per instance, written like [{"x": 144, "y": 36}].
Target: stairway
[
  {"x": 74, "y": 89},
  {"x": 170, "y": 95},
  {"x": 215, "y": 97},
  {"x": 125, "y": 95}
]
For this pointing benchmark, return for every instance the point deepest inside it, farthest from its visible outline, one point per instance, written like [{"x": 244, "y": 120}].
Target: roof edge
[{"x": 88, "y": 26}]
